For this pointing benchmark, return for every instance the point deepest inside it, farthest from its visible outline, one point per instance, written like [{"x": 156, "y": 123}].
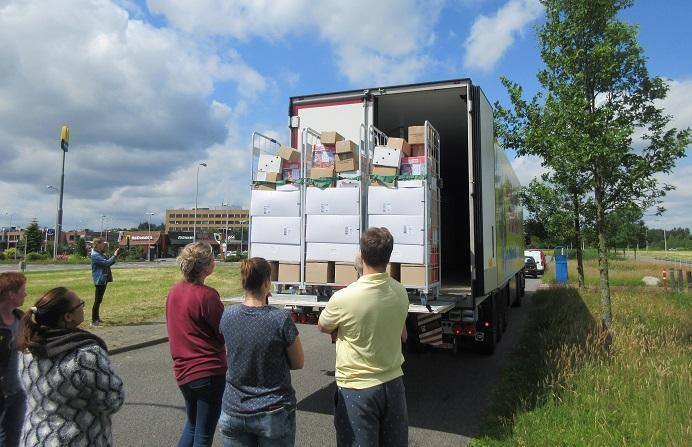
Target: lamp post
[
  {"x": 103, "y": 216},
  {"x": 64, "y": 143},
  {"x": 7, "y": 236},
  {"x": 149, "y": 243},
  {"x": 225, "y": 252},
  {"x": 194, "y": 224}
]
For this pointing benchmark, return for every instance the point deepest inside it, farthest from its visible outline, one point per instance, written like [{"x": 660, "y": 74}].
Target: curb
[{"x": 132, "y": 347}]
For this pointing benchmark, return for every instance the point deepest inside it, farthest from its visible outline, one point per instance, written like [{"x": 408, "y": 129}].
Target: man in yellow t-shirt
[{"x": 368, "y": 318}]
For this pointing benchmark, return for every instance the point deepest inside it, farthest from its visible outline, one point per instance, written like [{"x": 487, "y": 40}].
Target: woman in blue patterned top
[{"x": 262, "y": 346}]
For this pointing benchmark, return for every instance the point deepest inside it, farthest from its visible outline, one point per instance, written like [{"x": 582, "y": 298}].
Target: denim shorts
[{"x": 269, "y": 428}]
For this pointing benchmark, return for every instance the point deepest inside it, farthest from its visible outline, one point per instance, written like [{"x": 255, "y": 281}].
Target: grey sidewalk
[{"x": 126, "y": 337}]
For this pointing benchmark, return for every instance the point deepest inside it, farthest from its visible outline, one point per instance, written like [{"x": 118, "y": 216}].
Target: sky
[{"x": 152, "y": 88}]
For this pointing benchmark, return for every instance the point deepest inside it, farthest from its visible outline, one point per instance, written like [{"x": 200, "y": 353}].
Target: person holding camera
[{"x": 101, "y": 274}]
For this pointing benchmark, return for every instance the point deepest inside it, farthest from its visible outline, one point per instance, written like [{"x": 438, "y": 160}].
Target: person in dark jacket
[
  {"x": 101, "y": 274},
  {"x": 71, "y": 387},
  {"x": 12, "y": 397}
]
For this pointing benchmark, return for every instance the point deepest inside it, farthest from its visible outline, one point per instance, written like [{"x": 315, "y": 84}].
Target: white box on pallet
[
  {"x": 332, "y": 201},
  {"x": 275, "y": 203},
  {"x": 275, "y": 230},
  {"x": 396, "y": 201},
  {"x": 276, "y": 252},
  {"x": 408, "y": 254},
  {"x": 405, "y": 229},
  {"x": 386, "y": 156},
  {"x": 318, "y": 251},
  {"x": 333, "y": 229},
  {"x": 269, "y": 163}
]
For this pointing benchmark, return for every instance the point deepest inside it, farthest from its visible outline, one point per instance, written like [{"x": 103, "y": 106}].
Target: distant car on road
[
  {"x": 530, "y": 268},
  {"x": 537, "y": 256}
]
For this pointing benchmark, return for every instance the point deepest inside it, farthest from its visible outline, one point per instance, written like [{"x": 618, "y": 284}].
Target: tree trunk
[
  {"x": 577, "y": 241},
  {"x": 603, "y": 261}
]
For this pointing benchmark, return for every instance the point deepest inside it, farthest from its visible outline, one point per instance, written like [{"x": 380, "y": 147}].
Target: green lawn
[
  {"x": 136, "y": 294},
  {"x": 567, "y": 385}
]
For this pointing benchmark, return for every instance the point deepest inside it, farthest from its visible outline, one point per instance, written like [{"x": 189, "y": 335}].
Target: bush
[
  {"x": 10, "y": 253},
  {"x": 33, "y": 256}
]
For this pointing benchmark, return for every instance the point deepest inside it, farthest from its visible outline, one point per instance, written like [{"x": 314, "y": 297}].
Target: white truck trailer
[{"x": 470, "y": 211}]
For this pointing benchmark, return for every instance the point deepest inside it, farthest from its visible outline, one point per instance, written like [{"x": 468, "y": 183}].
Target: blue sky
[{"x": 152, "y": 88}]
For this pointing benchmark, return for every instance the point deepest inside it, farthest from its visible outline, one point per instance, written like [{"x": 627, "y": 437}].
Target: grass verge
[
  {"x": 566, "y": 386},
  {"x": 136, "y": 295},
  {"x": 621, "y": 272}
]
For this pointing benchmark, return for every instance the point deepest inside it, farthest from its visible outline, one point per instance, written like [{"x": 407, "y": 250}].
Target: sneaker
[{"x": 97, "y": 323}]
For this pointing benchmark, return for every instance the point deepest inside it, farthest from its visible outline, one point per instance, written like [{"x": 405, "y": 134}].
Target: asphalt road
[{"x": 446, "y": 394}]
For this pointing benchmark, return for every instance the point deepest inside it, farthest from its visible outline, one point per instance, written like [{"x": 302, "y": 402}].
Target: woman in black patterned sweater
[{"x": 72, "y": 391}]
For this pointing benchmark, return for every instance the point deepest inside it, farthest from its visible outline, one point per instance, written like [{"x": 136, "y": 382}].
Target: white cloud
[
  {"x": 490, "y": 37},
  {"x": 373, "y": 42},
  {"x": 138, "y": 100},
  {"x": 527, "y": 168}
]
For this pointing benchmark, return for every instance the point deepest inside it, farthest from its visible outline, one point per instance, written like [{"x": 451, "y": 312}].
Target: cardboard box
[
  {"x": 411, "y": 254},
  {"x": 268, "y": 177},
  {"x": 345, "y": 273},
  {"x": 330, "y": 138},
  {"x": 346, "y": 162},
  {"x": 275, "y": 203},
  {"x": 319, "y": 272},
  {"x": 417, "y": 150},
  {"x": 318, "y": 173},
  {"x": 340, "y": 229},
  {"x": 405, "y": 229},
  {"x": 289, "y": 272},
  {"x": 289, "y": 154},
  {"x": 264, "y": 187},
  {"x": 320, "y": 251},
  {"x": 346, "y": 147},
  {"x": 348, "y": 180},
  {"x": 413, "y": 275},
  {"x": 276, "y": 252},
  {"x": 275, "y": 230},
  {"x": 288, "y": 187},
  {"x": 323, "y": 156},
  {"x": 394, "y": 270},
  {"x": 416, "y": 134},
  {"x": 384, "y": 171},
  {"x": 396, "y": 201},
  {"x": 409, "y": 183},
  {"x": 401, "y": 144},
  {"x": 290, "y": 171},
  {"x": 269, "y": 163},
  {"x": 386, "y": 156},
  {"x": 413, "y": 166},
  {"x": 332, "y": 201}
]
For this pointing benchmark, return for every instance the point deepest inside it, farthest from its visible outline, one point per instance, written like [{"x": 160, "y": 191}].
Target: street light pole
[
  {"x": 57, "y": 218},
  {"x": 225, "y": 252},
  {"x": 64, "y": 143},
  {"x": 194, "y": 227},
  {"x": 7, "y": 236},
  {"x": 103, "y": 216},
  {"x": 149, "y": 227}
]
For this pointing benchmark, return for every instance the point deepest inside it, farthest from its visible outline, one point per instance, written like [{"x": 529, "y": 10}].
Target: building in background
[
  {"x": 208, "y": 220},
  {"x": 155, "y": 242}
]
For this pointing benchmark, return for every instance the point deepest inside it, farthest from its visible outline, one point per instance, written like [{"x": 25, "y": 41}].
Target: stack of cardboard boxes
[
  {"x": 278, "y": 172},
  {"x": 275, "y": 231},
  {"x": 399, "y": 204},
  {"x": 333, "y": 217}
]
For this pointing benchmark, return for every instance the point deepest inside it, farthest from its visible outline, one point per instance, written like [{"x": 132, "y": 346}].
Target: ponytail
[
  {"x": 47, "y": 313},
  {"x": 254, "y": 274}
]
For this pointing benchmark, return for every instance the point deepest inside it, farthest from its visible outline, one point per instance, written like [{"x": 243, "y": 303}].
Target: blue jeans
[
  {"x": 12, "y": 419},
  {"x": 276, "y": 428},
  {"x": 203, "y": 405},
  {"x": 375, "y": 416}
]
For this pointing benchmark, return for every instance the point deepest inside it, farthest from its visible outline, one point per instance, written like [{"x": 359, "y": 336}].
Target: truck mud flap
[{"x": 429, "y": 329}]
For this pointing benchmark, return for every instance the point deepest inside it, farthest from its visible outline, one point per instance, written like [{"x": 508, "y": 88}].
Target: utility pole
[
  {"x": 149, "y": 243},
  {"x": 194, "y": 227},
  {"x": 64, "y": 143},
  {"x": 225, "y": 250}
]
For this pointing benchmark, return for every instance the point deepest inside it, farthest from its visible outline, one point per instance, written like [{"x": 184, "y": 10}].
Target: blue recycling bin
[{"x": 561, "y": 269}]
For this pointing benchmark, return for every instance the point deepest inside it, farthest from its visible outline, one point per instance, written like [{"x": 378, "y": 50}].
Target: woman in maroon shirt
[{"x": 193, "y": 313}]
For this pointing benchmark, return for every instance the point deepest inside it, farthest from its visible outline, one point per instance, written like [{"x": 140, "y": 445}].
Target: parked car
[
  {"x": 530, "y": 268},
  {"x": 537, "y": 256}
]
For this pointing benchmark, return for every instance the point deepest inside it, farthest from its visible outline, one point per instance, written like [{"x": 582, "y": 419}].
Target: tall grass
[
  {"x": 621, "y": 272},
  {"x": 569, "y": 384},
  {"x": 136, "y": 295}
]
